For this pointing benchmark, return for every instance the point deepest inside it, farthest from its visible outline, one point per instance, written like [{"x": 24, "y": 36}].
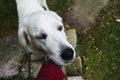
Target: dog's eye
[
  {"x": 60, "y": 28},
  {"x": 41, "y": 36}
]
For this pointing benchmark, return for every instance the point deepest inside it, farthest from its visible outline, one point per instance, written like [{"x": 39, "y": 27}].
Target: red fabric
[{"x": 50, "y": 71}]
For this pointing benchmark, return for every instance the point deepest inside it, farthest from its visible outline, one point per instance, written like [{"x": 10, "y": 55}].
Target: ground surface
[{"x": 75, "y": 78}]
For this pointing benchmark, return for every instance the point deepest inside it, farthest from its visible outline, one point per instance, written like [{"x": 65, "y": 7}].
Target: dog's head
[{"x": 44, "y": 30}]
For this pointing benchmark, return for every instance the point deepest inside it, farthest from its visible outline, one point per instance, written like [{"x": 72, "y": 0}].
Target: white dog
[{"x": 42, "y": 29}]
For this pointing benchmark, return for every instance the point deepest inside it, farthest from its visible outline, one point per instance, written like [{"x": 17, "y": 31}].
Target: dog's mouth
[{"x": 60, "y": 61}]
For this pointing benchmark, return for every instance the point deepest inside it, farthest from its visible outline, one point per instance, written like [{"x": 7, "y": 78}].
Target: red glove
[{"x": 50, "y": 71}]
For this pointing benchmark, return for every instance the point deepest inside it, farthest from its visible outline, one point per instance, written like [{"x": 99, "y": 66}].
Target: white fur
[{"x": 34, "y": 21}]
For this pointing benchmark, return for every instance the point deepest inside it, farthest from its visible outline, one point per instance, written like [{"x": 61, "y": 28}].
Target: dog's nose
[{"x": 67, "y": 54}]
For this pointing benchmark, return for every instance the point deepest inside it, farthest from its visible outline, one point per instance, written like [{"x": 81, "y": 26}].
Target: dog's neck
[{"x": 25, "y": 8}]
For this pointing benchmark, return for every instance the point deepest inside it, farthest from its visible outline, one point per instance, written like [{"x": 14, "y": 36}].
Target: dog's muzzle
[{"x": 67, "y": 54}]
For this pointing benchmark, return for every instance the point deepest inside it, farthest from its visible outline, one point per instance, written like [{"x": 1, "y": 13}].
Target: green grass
[
  {"x": 100, "y": 48},
  {"x": 8, "y": 17},
  {"x": 58, "y": 5}
]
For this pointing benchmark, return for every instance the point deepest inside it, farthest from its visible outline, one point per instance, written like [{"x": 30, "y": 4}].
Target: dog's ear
[{"x": 24, "y": 38}]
